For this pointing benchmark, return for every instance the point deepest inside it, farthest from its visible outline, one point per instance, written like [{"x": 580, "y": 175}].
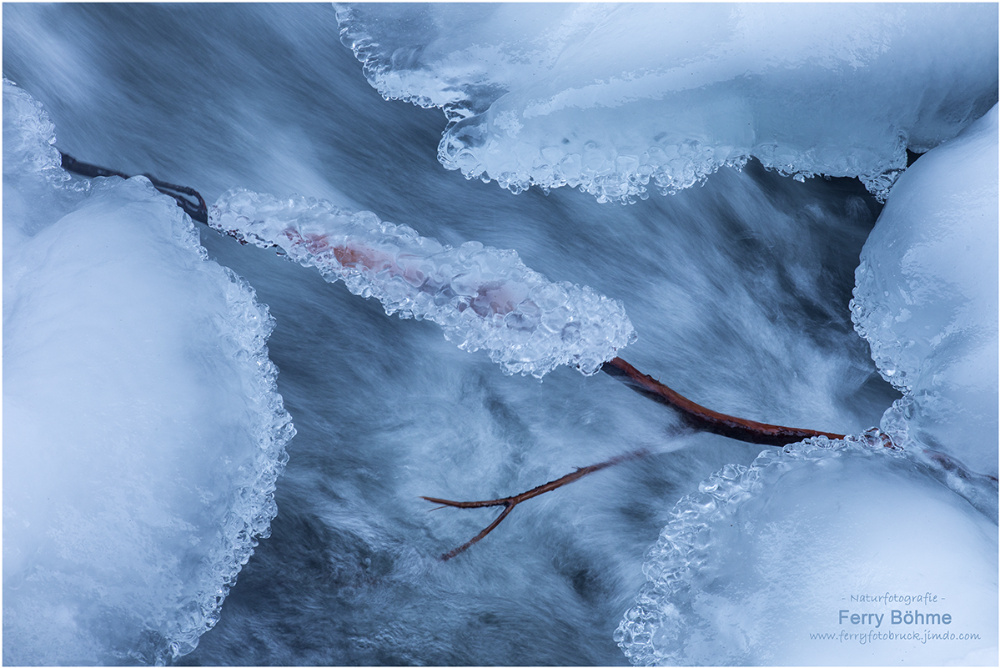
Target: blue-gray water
[{"x": 738, "y": 290}]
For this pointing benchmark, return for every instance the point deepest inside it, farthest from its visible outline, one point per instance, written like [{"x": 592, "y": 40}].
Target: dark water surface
[{"x": 738, "y": 290}]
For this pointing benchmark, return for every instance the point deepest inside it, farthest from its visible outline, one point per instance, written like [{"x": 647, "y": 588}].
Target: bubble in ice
[
  {"x": 143, "y": 430},
  {"x": 768, "y": 564},
  {"x": 483, "y": 298},
  {"x": 617, "y": 99}
]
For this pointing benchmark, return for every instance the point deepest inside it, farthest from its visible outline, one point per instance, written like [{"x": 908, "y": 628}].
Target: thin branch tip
[{"x": 511, "y": 501}]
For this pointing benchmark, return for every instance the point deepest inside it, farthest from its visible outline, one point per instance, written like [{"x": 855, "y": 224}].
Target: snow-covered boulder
[
  {"x": 143, "y": 432},
  {"x": 926, "y": 299}
]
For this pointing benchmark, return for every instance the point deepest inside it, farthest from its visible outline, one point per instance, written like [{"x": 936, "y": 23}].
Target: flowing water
[{"x": 738, "y": 291}]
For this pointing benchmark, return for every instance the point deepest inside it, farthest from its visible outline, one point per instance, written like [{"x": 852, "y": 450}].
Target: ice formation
[
  {"x": 483, "y": 298},
  {"x": 804, "y": 556},
  {"x": 143, "y": 433},
  {"x": 611, "y": 98},
  {"x": 926, "y": 298}
]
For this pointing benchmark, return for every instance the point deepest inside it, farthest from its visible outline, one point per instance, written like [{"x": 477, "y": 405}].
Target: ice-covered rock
[
  {"x": 483, "y": 298},
  {"x": 143, "y": 432},
  {"x": 926, "y": 298},
  {"x": 610, "y": 98},
  {"x": 828, "y": 552}
]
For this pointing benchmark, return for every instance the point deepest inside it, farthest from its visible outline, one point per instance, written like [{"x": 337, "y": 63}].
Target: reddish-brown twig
[
  {"x": 509, "y": 502},
  {"x": 704, "y": 419}
]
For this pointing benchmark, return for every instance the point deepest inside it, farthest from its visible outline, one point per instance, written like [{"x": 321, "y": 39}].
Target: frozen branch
[{"x": 704, "y": 419}]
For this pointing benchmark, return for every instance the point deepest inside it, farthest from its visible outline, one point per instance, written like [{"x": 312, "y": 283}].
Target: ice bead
[{"x": 483, "y": 298}]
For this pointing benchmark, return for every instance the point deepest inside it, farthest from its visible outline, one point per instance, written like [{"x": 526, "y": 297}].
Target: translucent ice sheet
[{"x": 614, "y": 99}]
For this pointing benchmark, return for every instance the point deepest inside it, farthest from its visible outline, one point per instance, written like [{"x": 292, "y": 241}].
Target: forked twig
[
  {"x": 695, "y": 415},
  {"x": 509, "y": 502}
]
